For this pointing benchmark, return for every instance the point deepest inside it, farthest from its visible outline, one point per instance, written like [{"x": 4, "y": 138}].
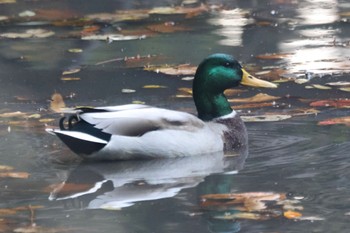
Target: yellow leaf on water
[
  {"x": 347, "y": 89},
  {"x": 153, "y": 86},
  {"x": 71, "y": 71},
  {"x": 57, "y": 104},
  {"x": 7, "y": 1},
  {"x": 292, "y": 214},
  {"x": 321, "y": 87},
  {"x": 46, "y": 120},
  {"x": 70, "y": 78},
  {"x": 75, "y": 50}
]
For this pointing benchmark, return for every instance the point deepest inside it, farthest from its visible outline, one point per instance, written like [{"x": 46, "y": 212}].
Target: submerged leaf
[
  {"x": 240, "y": 215},
  {"x": 265, "y": 118}
]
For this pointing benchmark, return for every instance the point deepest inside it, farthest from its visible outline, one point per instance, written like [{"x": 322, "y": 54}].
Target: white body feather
[{"x": 140, "y": 131}]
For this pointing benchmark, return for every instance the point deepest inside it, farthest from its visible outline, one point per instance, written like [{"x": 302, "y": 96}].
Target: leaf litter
[{"x": 252, "y": 206}]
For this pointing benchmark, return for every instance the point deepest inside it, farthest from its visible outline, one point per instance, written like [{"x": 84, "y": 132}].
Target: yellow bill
[{"x": 250, "y": 80}]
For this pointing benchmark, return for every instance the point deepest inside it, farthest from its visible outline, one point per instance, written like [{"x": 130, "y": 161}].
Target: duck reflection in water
[{"x": 121, "y": 184}]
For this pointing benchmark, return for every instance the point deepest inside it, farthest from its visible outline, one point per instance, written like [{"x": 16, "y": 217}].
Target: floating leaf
[
  {"x": 183, "y": 69},
  {"x": 13, "y": 114},
  {"x": 57, "y": 104},
  {"x": 119, "y": 16},
  {"x": 75, "y": 50},
  {"x": 265, "y": 118},
  {"x": 6, "y": 168},
  {"x": 188, "y": 11},
  {"x": 273, "y": 56},
  {"x": 340, "y": 103},
  {"x": 71, "y": 71},
  {"x": 311, "y": 218},
  {"x": 153, "y": 86},
  {"x": 3, "y": 18},
  {"x": 7, "y": 1},
  {"x": 19, "y": 175},
  {"x": 70, "y": 78},
  {"x": 335, "y": 121},
  {"x": 27, "y": 14},
  {"x": 292, "y": 214},
  {"x": 338, "y": 84},
  {"x": 261, "y": 97},
  {"x": 31, "y": 33},
  {"x": 347, "y": 89},
  {"x": 321, "y": 87},
  {"x": 301, "y": 80},
  {"x": 127, "y": 91},
  {"x": 39, "y": 229},
  {"x": 46, "y": 120},
  {"x": 167, "y": 27},
  {"x": 112, "y": 37}
]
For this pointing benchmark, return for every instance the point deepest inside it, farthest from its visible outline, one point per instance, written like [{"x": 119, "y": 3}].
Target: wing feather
[{"x": 137, "y": 120}]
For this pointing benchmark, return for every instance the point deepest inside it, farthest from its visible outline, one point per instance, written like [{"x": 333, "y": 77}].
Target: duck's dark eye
[{"x": 227, "y": 64}]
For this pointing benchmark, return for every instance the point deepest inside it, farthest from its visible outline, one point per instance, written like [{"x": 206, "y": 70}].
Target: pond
[{"x": 293, "y": 177}]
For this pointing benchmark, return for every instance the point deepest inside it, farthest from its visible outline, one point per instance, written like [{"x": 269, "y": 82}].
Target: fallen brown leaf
[
  {"x": 167, "y": 27},
  {"x": 337, "y": 103},
  {"x": 183, "y": 69},
  {"x": 335, "y": 121}
]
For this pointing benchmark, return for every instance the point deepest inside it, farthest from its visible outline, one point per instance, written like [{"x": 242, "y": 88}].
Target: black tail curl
[{"x": 72, "y": 120}]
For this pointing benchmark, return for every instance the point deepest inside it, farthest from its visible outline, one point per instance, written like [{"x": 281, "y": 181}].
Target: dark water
[{"x": 306, "y": 161}]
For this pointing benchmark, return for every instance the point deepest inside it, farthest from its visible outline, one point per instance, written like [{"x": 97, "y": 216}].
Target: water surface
[{"x": 305, "y": 40}]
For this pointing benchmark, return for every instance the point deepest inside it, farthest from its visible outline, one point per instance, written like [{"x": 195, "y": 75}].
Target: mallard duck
[{"x": 135, "y": 131}]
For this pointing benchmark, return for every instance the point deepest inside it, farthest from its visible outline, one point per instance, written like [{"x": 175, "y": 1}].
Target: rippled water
[{"x": 298, "y": 157}]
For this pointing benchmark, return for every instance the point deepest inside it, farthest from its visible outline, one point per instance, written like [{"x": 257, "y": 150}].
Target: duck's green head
[{"x": 214, "y": 75}]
